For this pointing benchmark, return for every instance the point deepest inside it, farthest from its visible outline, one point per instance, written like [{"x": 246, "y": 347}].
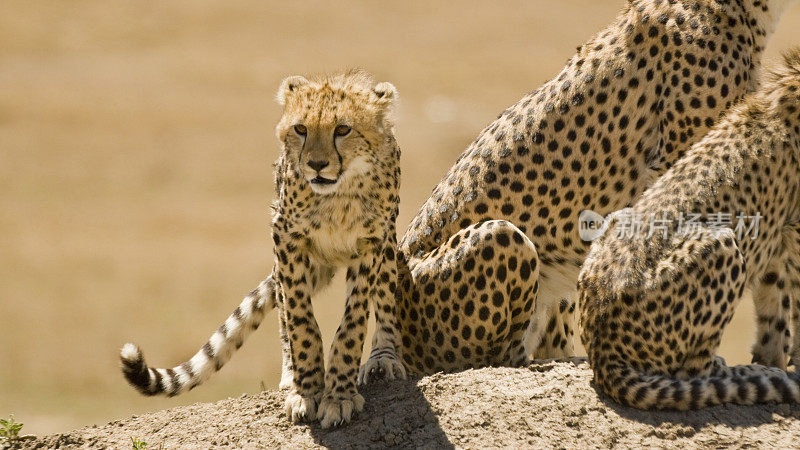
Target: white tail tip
[{"x": 130, "y": 352}]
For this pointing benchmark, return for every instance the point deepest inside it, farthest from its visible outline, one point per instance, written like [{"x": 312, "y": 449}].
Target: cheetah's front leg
[
  {"x": 341, "y": 398},
  {"x": 773, "y": 303},
  {"x": 296, "y": 276},
  {"x": 385, "y": 358},
  {"x": 791, "y": 245},
  {"x": 319, "y": 278}
]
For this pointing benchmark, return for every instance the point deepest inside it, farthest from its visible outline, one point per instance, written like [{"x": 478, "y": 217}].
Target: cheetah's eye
[
  {"x": 342, "y": 130},
  {"x": 300, "y": 129}
]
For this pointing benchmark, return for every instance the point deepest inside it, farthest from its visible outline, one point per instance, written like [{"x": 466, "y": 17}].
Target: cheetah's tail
[
  {"x": 743, "y": 385},
  {"x": 211, "y": 357}
]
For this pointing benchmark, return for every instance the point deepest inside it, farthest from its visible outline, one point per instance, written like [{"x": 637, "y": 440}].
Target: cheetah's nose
[{"x": 318, "y": 165}]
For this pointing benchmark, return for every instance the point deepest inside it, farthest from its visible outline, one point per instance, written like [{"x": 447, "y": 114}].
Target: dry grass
[{"x": 135, "y": 148}]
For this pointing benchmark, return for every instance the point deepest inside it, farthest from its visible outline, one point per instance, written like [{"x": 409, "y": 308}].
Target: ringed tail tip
[{"x": 134, "y": 368}]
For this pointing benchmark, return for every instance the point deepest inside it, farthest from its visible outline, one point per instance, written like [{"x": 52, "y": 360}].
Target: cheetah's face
[{"x": 332, "y": 132}]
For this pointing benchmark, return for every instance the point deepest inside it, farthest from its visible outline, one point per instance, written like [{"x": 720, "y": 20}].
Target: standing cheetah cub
[
  {"x": 337, "y": 182},
  {"x": 655, "y": 301}
]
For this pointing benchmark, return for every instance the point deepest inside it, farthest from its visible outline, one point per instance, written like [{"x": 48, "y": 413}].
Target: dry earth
[{"x": 549, "y": 404}]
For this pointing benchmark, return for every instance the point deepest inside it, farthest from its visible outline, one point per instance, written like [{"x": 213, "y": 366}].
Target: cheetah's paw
[
  {"x": 337, "y": 411},
  {"x": 386, "y": 366},
  {"x": 299, "y": 407}
]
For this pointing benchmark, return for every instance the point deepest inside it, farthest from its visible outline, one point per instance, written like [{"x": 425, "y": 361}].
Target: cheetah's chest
[{"x": 338, "y": 229}]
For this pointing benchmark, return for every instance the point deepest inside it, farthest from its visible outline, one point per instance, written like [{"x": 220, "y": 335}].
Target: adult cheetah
[
  {"x": 654, "y": 302},
  {"x": 625, "y": 107},
  {"x": 337, "y": 181}
]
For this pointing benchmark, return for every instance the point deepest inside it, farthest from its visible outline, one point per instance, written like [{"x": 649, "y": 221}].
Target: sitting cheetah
[
  {"x": 654, "y": 303},
  {"x": 502, "y": 223},
  {"x": 337, "y": 181}
]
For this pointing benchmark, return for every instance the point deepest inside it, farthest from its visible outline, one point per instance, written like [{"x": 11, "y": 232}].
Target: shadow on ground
[{"x": 395, "y": 414}]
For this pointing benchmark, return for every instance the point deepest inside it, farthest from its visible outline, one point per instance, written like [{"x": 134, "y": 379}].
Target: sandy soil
[{"x": 549, "y": 404}]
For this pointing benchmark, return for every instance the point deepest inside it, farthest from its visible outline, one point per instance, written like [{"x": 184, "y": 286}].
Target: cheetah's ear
[
  {"x": 385, "y": 93},
  {"x": 289, "y": 85}
]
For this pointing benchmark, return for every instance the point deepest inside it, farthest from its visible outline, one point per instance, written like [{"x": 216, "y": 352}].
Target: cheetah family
[
  {"x": 487, "y": 272},
  {"x": 654, "y": 304}
]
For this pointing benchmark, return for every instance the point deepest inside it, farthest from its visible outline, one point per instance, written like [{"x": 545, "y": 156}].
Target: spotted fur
[
  {"x": 337, "y": 182},
  {"x": 654, "y": 306},
  {"x": 627, "y": 105}
]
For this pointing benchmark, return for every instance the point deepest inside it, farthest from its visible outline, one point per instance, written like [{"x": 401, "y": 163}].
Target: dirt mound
[{"x": 550, "y": 404}]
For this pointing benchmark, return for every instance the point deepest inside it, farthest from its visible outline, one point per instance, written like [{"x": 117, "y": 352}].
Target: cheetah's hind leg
[{"x": 468, "y": 303}]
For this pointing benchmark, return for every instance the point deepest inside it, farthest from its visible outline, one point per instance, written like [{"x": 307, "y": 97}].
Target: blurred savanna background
[{"x": 136, "y": 142}]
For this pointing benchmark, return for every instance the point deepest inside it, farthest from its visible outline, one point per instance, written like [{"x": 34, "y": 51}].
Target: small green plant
[
  {"x": 9, "y": 429},
  {"x": 138, "y": 444}
]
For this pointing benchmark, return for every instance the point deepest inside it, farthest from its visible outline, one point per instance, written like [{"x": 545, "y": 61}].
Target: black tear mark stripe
[{"x": 211, "y": 356}]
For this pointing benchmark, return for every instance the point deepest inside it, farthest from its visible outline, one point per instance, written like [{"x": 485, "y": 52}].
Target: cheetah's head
[{"x": 334, "y": 129}]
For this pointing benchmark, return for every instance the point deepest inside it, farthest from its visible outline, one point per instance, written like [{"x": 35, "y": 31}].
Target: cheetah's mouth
[{"x": 322, "y": 180}]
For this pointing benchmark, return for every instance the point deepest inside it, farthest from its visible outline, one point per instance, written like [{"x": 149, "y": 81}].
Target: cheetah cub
[
  {"x": 658, "y": 289},
  {"x": 337, "y": 181}
]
